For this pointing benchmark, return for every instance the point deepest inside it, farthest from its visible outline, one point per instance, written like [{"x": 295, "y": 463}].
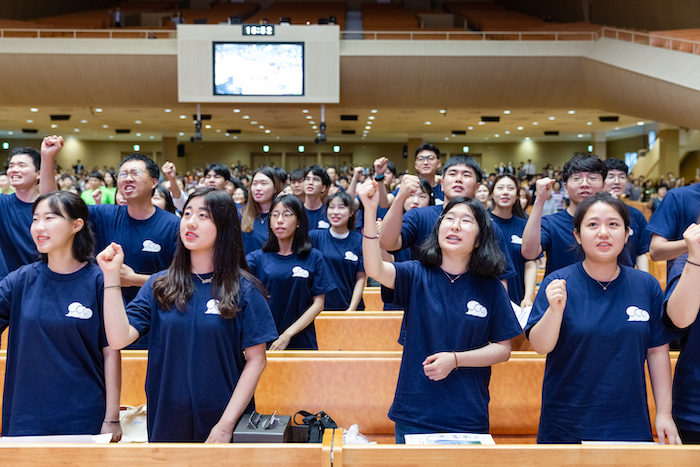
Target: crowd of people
[{"x": 217, "y": 266}]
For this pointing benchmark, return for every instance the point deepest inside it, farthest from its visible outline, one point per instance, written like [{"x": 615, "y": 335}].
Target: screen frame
[{"x": 282, "y": 96}]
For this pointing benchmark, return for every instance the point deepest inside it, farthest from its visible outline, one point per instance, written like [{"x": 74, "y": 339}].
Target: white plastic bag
[{"x": 353, "y": 436}]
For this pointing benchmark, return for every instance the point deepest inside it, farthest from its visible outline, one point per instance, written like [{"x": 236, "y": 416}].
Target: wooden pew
[
  {"x": 358, "y": 387},
  {"x": 360, "y": 330},
  {"x": 372, "y": 297}
]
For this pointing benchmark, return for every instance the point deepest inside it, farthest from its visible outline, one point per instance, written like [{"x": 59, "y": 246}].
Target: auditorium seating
[{"x": 300, "y": 12}]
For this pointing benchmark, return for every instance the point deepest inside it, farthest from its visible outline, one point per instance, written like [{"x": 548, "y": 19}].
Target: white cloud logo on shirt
[
  {"x": 516, "y": 240},
  {"x": 475, "y": 308},
  {"x": 439, "y": 202},
  {"x": 150, "y": 246},
  {"x": 323, "y": 225},
  {"x": 212, "y": 307},
  {"x": 298, "y": 271},
  {"x": 631, "y": 232},
  {"x": 637, "y": 314},
  {"x": 78, "y": 310},
  {"x": 350, "y": 256}
]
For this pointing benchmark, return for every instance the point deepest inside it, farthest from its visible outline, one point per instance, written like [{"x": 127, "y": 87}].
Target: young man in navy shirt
[
  {"x": 584, "y": 176},
  {"x": 638, "y": 242},
  {"x": 148, "y": 235},
  {"x": 426, "y": 163},
  {"x": 316, "y": 184},
  {"x": 18, "y": 248},
  {"x": 460, "y": 177}
]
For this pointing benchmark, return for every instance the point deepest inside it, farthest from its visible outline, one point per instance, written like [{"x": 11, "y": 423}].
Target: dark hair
[
  {"x": 251, "y": 212},
  {"x": 69, "y": 206},
  {"x": 486, "y": 259},
  {"x": 601, "y": 197},
  {"x": 219, "y": 169},
  {"x": 176, "y": 287},
  {"x": 296, "y": 175},
  {"x": 428, "y": 190},
  {"x": 464, "y": 159},
  {"x": 5, "y": 173},
  {"x": 426, "y": 147},
  {"x": 96, "y": 175},
  {"x": 151, "y": 167},
  {"x": 527, "y": 195},
  {"x": 348, "y": 201},
  {"x": 237, "y": 185},
  {"x": 31, "y": 152},
  {"x": 319, "y": 171},
  {"x": 516, "y": 209},
  {"x": 392, "y": 167},
  {"x": 663, "y": 185},
  {"x": 281, "y": 174},
  {"x": 169, "y": 205},
  {"x": 616, "y": 164},
  {"x": 301, "y": 245},
  {"x": 114, "y": 178},
  {"x": 584, "y": 163}
]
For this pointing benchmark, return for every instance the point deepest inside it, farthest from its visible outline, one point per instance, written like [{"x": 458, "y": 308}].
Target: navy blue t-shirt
[
  {"x": 513, "y": 232},
  {"x": 639, "y": 239},
  {"x": 149, "y": 245},
  {"x": 594, "y": 383},
  {"x": 256, "y": 238},
  {"x": 418, "y": 223},
  {"x": 54, "y": 378},
  {"x": 16, "y": 242},
  {"x": 292, "y": 282},
  {"x": 558, "y": 241},
  {"x": 686, "y": 380},
  {"x": 195, "y": 357},
  {"x": 344, "y": 260},
  {"x": 318, "y": 218},
  {"x": 442, "y": 316}
]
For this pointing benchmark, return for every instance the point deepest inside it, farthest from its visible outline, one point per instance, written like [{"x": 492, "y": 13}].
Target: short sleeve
[
  {"x": 402, "y": 284},
  {"x": 140, "y": 308},
  {"x": 539, "y": 306},
  {"x": 545, "y": 234},
  {"x": 673, "y": 278},
  {"x": 251, "y": 259},
  {"x": 323, "y": 280},
  {"x": 660, "y": 335},
  {"x": 258, "y": 324},
  {"x": 505, "y": 249},
  {"x": 504, "y": 325},
  {"x": 665, "y": 219},
  {"x": 644, "y": 237},
  {"x": 6, "y": 289},
  {"x": 409, "y": 229}
]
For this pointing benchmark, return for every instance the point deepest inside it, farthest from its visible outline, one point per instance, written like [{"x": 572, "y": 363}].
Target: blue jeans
[{"x": 401, "y": 429}]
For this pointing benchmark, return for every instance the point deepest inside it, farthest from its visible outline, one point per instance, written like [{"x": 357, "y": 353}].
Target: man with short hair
[
  {"x": 5, "y": 187},
  {"x": 296, "y": 182},
  {"x": 316, "y": 184},
  {"x": 147, "y": 234},
  {"x": 17, "y": 245},
  {"x": 584, "y": 176},
  {"x": 638, "y": 243},
  {"x": 529, "y": 169},
  {"x": 426, "y": 163},
  {"x": 216, "y": 175}
]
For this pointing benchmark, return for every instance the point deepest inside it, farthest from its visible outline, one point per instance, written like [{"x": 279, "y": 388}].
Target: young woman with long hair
[
  {"x": 510, "y": 217},
  {"x": 341, "y": 246},
  {"x": 458, "y": 320},
  {"x": 208, "y": 323},
  {"x": 599, "y": 322},
  {"x": 61, "y": 377},
  {"x": 263, "y": 189},
  {"x": 295, "y": 274}
]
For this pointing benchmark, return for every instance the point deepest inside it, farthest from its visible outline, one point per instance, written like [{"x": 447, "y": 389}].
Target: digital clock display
[{"x": 258, "y": 30}]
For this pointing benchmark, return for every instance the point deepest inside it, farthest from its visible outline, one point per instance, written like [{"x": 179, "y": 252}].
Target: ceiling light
[
  {"x": 152, "y": 137},
  {"x": 580, "y": 135},
  {"x": 261, "y": 127},
  {"x": 571, "y": 112},
  {"x": 314, "y": 127},
  {"x": 427, "y": 123},
  {"x": 305, "y": 111},
  {"x": 443, "y": 111},
  {"x": 53, "y": 125},
  {"x": 228, "y": 134},
  {"x": 446, "y": 138},
  {"x": 235, "y": 137},
  {"x": 83, "y": 121},
  {"x": 309, "y": 117},
  {"x": 507, "y": 132},
  {"x": 507, "y": 112},
  {"x": 371, "y": 117},
  {"x": 267, "y": 131},
  {"x": 246, "y": 117},
  {"x": 138, "y": 134},
  {"x": 470, "y": 128},
  {"x": 181, "y": 134},
  {"x": 527, "y": 138},
  {"x": 33, "y": 109},
  {"x": 138, "y": 122},
  {"x": 76, "y": 129},
  {"x": 105, "y": 126},
  {"x": 617, "y": 128},
  {"x": 369, "y": 127},
  {"x": 551, "y": 118},
  {"x": 30, "y": 121},
  {"x": 182, "y": 117},
  {"x": 218, "y": 130},
  {"x": 373, "y": 111},
  {"x": 535, "y": 123},
  {"x": 497, "y": 135},
  {"x": 311, "y": 122},
  {"x": 111, "y": 136},
  {"x": 208, "y": 127},
  {"x": 482, "y": 123},
  {"x": 168, "y": 110},
  {"x": 520, "y": 128},
  {"x": 640, "y": 123},
  {"x": 589, "y": 123},
  {"x": 98, "y": 110}
]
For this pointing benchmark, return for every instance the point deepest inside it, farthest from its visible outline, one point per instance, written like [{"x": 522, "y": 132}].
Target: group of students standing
[{"x": 207, "y": 294}]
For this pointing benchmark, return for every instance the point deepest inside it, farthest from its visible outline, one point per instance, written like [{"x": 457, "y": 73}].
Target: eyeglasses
[
  {"x": 316, "y": 179},
  {"x": 592, "y": 178},
  {"x": 465, "y": 222},
  {"x": 133, "y": 172},
  {"x": 425, "y": 158},
  {"x": 286, "y": 215}
]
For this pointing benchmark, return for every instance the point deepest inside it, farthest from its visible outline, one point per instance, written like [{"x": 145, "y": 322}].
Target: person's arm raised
[
  {"x": 390, "y": 237},
  {"x": 50, "y": 147},
  {"x": 532, "y": 235},
  {"x": 381, "y": 271},
  {"x": 545, "y": 333},
  {"x": 684, "y": 303},
  {"x": 385, "y": 200}
]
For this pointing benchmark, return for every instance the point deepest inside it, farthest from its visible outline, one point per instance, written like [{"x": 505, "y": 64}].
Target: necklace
[
  {"x": 204, "y": 281},
  {"x": 605, "y": 287},
  {"x": 450, "y": 277}
]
